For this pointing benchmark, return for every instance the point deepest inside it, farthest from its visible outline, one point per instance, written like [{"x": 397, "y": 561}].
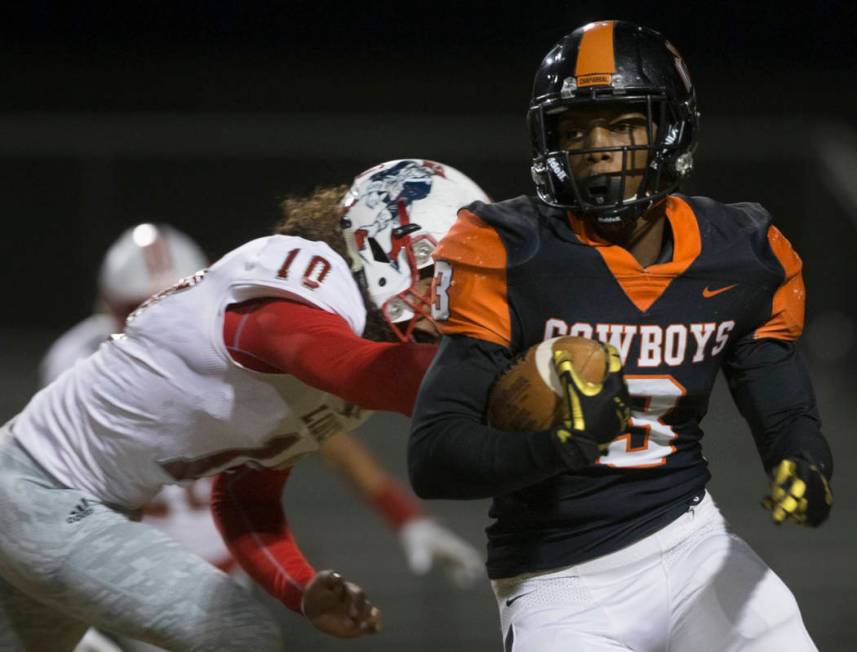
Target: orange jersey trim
[
  {"x": 596, "y": 59},
  {"x": 478, "y": 292},
  {"x": 644, "y": 286},
  {"x": 787, "y": 309}
]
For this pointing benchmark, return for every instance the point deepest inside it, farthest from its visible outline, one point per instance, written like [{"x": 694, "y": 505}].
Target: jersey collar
[{"x": 645, "y": 285}]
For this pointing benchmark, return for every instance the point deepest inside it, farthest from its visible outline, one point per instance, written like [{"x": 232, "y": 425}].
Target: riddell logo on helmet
[{"x": 595, "y": 79}]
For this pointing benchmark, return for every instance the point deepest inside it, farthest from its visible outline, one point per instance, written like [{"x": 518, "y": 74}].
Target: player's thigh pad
[
  {"x": 72, "y": 553},
  {"x": 608, "y": 604},
  {"x": 26, "y": 624},
  {"x": 727, "y": 599},
  {"x": 554, "y": 614}
]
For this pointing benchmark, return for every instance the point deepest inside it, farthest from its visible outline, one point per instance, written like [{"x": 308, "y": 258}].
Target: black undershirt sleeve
[
  {"x": 771, "y": 386},
  {"x": 452, "y": 454}
]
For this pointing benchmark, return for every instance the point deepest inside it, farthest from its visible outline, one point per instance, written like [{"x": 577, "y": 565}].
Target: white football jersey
[
  {"x": 78, "y": 342},
  {"x": 165, "y": 403},
  {"x": 182, "y": 512}
]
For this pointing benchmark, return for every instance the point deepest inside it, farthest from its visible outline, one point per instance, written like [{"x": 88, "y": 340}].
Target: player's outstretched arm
[
  {"x": 453, "y": 454},
  {"x": 773, "y": 391},
  {"x": 339, "y": 608},
  {"x": 424, "y": 541},
  {"x": 319, "y": 348}
]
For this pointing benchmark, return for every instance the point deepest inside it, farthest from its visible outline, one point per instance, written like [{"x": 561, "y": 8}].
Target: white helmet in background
[
  {"x": 146, "y": 258},
  {"x": 394, "y": 215}
]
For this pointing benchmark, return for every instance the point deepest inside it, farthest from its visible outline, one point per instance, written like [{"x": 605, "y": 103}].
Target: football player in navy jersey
[{"x": 623, "y": 549}]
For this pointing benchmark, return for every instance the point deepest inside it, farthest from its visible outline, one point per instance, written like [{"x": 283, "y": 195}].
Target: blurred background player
[
  {"x": 623, "y": 550},
  {"x": 148, "y": 258}
]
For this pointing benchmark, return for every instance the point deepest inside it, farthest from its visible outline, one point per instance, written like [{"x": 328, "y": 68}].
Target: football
[{"x": 527, "y": 397}]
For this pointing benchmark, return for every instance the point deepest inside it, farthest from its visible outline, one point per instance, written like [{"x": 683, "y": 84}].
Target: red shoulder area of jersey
[
  {"x": 787, "y": 306},
  {"x": 476, "y": 288}
]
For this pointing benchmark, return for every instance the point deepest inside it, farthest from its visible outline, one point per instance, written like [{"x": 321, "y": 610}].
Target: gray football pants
[{"x": 68, "y": 561}]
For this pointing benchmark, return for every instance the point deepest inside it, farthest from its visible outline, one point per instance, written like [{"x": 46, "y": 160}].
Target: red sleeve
[
  {"x": 248, "y": 510},
  {"x": 395, "y": 504},
  {"x": 319, "y": 348}
]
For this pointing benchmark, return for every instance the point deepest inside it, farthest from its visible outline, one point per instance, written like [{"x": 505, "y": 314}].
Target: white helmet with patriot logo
[
  {"x": 394, "y": 215},
  {"x": 145, "y": 259}
]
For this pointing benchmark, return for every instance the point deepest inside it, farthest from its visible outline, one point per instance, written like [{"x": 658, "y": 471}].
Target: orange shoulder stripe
[
  {"x": 787, "y": 308},
  {"x": 472, "y": 241},
  {"x": 477, "y": 292}
]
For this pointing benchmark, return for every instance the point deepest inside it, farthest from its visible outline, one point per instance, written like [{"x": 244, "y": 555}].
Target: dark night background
[{"x": 204, "y": 114}]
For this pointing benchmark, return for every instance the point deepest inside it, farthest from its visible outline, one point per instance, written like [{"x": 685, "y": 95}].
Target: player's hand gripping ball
[
  {"x": 800, "y": 492},
  {"x": 571, "y": 384}
]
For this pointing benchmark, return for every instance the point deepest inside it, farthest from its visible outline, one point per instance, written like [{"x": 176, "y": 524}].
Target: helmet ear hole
[{"x": 377, "y": 252}]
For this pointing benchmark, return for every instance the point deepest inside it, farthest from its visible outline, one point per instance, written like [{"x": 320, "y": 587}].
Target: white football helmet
[
  {"x": 394, "y": 215},
  {"x": 146, "y": 258}
]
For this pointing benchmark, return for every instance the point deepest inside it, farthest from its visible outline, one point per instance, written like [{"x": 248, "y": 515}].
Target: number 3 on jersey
[
  {"x": 440, "y": 290},
  {"x": 649, "y": 440}
]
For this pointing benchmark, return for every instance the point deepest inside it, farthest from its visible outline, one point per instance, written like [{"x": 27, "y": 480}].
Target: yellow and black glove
[
  {"x": 595, "y": 413},
  {"x": 799, "y": 491}
]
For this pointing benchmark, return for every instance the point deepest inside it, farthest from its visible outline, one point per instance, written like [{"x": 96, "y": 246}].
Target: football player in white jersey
[
  {"x": 234, "y": 373},
  {"x": 147, "y": 258}
]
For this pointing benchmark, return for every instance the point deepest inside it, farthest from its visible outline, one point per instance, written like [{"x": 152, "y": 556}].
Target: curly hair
[
  {"x": 318, "y": 216},
  {"x": 315, "y": 217}
]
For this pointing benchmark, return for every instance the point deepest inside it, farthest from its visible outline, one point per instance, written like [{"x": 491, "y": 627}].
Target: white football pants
[{"x": 690, "y": 587}]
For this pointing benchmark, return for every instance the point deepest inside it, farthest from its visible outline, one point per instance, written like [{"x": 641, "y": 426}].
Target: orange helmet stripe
[{"x": 595, "y": 55}]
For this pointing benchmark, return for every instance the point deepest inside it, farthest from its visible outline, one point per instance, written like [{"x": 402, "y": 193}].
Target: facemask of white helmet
[{"x": 394, "y": 215}]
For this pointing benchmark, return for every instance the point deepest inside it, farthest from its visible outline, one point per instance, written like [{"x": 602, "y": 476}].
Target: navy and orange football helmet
[{"x": 615, "y": 62}]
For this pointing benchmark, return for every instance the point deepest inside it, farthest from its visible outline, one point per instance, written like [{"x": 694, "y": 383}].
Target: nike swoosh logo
[
  {"x": 713, "y": 293},
  {"x": 517, "y": 597}
]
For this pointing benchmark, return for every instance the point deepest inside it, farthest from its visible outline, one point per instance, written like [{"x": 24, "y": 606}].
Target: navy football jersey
[{"x": 518, "y": 272}]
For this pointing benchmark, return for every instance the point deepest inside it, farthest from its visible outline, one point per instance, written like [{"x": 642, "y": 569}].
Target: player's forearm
[
  {"x": 248, "y": 511},
  {"x": 319, "y": 348},
  {"x": 773, "y": 391},
  {"x": 353, "y": 461},
  {"x": 451, "y": 453},
  {"x": 371, "y": 375},
  {"x": 376, "y": 486},
  {"x": 457, "y": 459}
]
